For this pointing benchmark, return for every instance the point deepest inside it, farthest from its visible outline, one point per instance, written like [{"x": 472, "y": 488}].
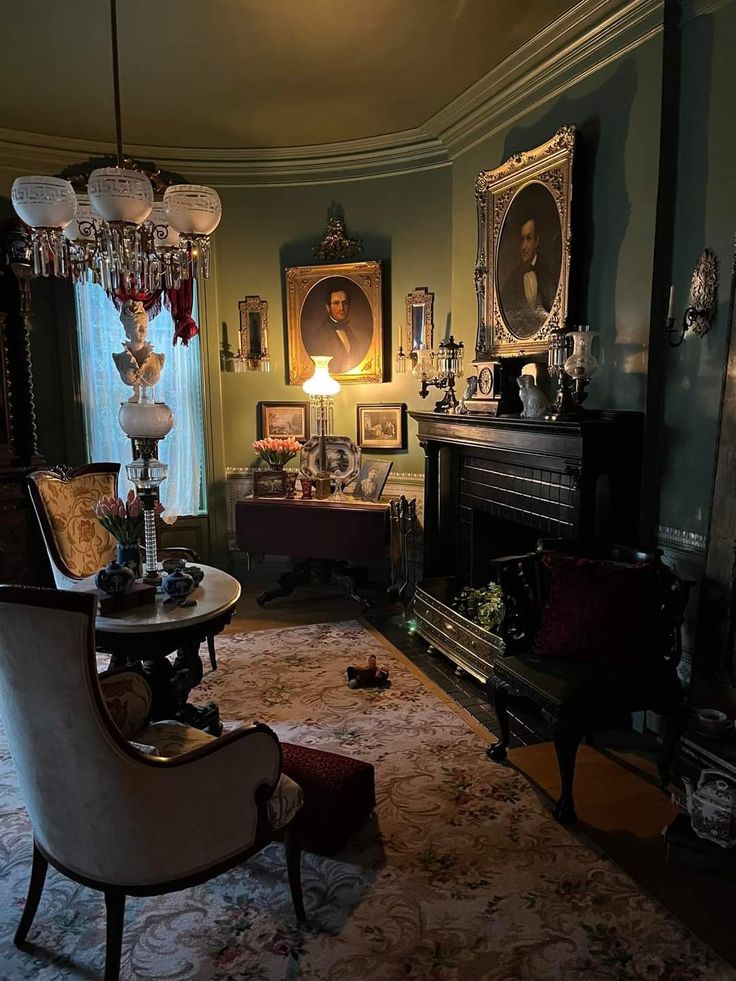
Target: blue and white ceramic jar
[
  {"x": 114, "y": 578},
  {"x": 177, "y": 584}
]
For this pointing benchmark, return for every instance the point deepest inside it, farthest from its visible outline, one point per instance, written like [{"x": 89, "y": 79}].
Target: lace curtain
[{"x": 180, "y": 386}]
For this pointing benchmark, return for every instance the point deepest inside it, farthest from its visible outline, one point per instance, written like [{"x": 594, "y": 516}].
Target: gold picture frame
[
  {"x": 335, "y": 310},
  {"x": 522, "y": 270}
]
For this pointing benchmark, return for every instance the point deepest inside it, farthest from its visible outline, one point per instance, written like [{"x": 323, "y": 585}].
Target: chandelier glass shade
[{"x": 117, "y": 235}]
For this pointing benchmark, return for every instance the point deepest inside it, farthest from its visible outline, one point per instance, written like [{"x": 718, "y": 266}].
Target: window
[{"x": 180, "y": 386}]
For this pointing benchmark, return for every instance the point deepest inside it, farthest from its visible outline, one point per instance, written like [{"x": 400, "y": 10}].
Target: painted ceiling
[{"x": 251, "y": 73}]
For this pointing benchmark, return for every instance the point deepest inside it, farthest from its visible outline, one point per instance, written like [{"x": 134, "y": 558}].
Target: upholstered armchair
[
  {"x": 593, "y": 634},
  {"x": 76, "y": 543},
  {"x": 102, "y": 811}
]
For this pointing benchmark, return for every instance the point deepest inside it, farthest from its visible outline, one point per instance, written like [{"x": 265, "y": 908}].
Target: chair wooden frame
[{"x": 521, "y": 580}]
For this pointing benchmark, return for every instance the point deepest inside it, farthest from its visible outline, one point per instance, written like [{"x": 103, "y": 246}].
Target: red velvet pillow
[{"x": 595, "y": 610}]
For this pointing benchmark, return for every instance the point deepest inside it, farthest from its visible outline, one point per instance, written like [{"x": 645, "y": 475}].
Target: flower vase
[{"x": 130, "y": 556}]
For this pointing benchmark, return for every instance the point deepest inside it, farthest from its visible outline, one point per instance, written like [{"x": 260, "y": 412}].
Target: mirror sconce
[
  {"x": 253, "y": 354},
  {"x": 701, "y": 308},
  {"x": 418, "y": 334}
]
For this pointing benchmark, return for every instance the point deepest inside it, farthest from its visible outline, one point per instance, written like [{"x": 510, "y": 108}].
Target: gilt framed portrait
[
  {"x": 335, "y": 311},
  {"x": 283, "y": 419},
  {"x": 381, "y": 426},
  {"x": 523, "y": 264}
]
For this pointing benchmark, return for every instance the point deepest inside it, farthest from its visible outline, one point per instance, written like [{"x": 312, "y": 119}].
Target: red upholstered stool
[{"x": 339, "y": 794}]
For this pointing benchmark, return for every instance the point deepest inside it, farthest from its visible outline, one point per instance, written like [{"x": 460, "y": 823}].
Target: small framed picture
[
  {"x": 372, "y": 479},
  {"x": 283, "y": 419},
  {"x": 269, "y": 483},
  {"x": 382, "y": 426}
]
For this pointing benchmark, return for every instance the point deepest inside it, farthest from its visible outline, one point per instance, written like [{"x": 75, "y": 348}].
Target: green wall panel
[
  {"x": 705, "y": 216},
  {"x": 616, "y": 111},
  {"x": 404, "y": 221}
]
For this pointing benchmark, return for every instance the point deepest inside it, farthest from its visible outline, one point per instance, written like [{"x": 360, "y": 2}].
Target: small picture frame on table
[
  {"x": 381, "y": 425},
  {"x": 372, "y": 479},
  {"x": 269, "y": 483}
]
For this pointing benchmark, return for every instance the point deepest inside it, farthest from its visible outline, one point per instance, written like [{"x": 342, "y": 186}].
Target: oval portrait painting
[
  {"x": 337, "y": 320},
  {"x": 529, "y": 260}
]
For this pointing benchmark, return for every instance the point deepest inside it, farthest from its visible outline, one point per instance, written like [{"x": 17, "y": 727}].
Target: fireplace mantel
[{"x": 577, "y": 479}]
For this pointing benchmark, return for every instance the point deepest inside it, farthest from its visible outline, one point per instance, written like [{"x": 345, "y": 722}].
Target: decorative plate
[{"x": 342, "y": 458}]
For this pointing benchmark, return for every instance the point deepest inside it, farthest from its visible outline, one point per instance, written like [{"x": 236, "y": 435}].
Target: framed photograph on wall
[
  {"x": 523, "y": 264},
  {"x": 335, "y": 310},
  {"x": 283, "y": 419},
  {"x": 372, "y": 479},
  {"x": 381, "y": 425}
]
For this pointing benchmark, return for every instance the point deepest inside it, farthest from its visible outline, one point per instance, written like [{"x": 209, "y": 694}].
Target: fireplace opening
[{"x": 491, "y": 537}]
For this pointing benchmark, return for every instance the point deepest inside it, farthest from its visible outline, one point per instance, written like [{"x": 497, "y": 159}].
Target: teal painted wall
[
  {"x": 404, "y": 221},
  {"x": 616, "y": 111},
  {"x": 423, "y": 227},
  {"x": 705, "y": 216}
]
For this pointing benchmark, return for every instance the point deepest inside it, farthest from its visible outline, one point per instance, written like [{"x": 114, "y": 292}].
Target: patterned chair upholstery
[
  {"x": 76, "y": 543},
  {"x": 105, "y": 814}
]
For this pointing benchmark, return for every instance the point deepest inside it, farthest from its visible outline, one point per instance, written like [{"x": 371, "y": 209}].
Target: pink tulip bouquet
[
  {"x": 277, "y": 451},
  {"x": 123, "y": 519}
]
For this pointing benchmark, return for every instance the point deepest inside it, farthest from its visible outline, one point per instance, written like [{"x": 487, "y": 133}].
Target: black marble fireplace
[{"x": 494, "y": 485}]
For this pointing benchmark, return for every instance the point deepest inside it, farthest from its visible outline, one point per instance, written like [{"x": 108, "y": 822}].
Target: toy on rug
[{"x": 367, "y": 676}]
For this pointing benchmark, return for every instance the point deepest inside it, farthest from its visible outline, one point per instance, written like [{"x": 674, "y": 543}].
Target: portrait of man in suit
[
  {"x": 529, "y": 260},
  {"x": 337, "y": 322}
]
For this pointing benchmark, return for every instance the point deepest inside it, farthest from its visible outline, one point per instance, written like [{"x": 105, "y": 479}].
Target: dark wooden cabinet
[{"x": 22, "y": 554}]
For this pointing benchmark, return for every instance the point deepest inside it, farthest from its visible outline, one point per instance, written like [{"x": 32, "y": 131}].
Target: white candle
[{"x": 671, "y": 307}]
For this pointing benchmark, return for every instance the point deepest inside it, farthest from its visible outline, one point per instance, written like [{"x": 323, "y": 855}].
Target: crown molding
[
  {"x": 368, "y": 158},
  {"x": 589, "y": 36}
]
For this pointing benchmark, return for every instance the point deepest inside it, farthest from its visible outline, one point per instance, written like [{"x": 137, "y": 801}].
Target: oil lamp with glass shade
[
  {"x": 146, "y": 422},
  {"x": 321, "y": 389}
]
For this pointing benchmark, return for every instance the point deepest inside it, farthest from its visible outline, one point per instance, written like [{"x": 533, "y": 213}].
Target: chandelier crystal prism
[{"x": 117, "y": 235}]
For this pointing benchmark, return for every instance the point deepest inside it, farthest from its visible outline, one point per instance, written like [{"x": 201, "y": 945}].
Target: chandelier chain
[{"x": 116, "y": 80}]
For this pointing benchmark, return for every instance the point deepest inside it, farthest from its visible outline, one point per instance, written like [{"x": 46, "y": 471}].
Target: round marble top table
[
  {"x": 150, "y": 632},
  {"x": 217, "y": 593}
]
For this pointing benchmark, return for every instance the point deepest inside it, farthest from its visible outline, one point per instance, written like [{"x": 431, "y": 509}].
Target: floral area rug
[{"x": 463, "y": 876}]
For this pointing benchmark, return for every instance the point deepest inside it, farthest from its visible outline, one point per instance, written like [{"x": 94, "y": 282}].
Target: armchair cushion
[
  {"x": 171, "y": 738},
  {"x": 127, "y": 696},
  {"x": 595, "y": 610},
  {"x": 284, "y": 802}
]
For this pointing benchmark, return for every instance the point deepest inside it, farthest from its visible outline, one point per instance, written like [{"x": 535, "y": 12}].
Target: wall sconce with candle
[
  {"x": 418, "y": 334},
  {"x": 253, "y": 354},
  {"x": 701, "y": 308}
]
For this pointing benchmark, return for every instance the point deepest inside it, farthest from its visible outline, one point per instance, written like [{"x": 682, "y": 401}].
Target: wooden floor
[{"x": 621, "y": 809}]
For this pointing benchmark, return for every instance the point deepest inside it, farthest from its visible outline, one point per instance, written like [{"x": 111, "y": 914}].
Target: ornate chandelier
[{"x": 117, "y": 235}]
